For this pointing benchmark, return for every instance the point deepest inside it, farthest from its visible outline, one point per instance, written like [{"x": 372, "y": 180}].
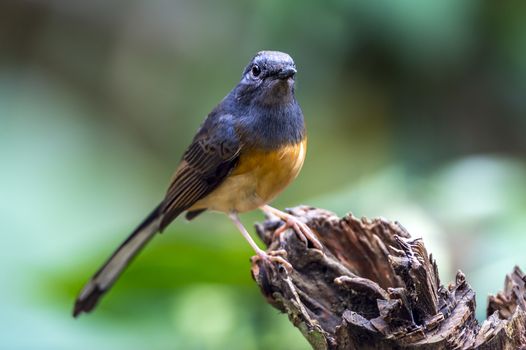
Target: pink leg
[
  {"x": 260, "y": 252},
  {"x": 301, "y": 229}
]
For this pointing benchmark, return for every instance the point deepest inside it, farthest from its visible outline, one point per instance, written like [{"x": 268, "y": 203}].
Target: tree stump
[{"x": 372, "y": 286}]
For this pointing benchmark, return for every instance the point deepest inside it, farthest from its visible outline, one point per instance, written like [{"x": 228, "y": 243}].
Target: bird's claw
[
  {"x": 302, "y": 230},
  {"x": 275, "y": 256}
]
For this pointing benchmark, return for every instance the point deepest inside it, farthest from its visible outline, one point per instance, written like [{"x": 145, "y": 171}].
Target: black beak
[{"x": 287, "y": 72}]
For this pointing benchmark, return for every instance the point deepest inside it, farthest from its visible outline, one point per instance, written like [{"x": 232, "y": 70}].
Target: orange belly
[{"x": 258, "y": 178}]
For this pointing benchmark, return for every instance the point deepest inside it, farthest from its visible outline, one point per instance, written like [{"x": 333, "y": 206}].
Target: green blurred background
[{"x": 416, "y": 112}]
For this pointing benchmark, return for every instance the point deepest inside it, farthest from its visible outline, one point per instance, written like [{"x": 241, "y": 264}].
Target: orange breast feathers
[
  {"x": 272, "y": 171},
  {"x": 258, "y": 178}
]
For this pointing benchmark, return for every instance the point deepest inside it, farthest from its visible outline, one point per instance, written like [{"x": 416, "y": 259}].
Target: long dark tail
[{"x": 102, "y": 281}]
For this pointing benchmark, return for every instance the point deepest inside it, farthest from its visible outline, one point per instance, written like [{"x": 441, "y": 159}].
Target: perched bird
[{"x": 249, "y": 148}]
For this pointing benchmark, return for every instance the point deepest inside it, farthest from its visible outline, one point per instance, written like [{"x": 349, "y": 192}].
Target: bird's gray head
[{"x": 268, "y": 79}]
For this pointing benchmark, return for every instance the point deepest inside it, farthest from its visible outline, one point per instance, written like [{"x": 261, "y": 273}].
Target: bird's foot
[
  {"x": 302, "y": 230},
  {"x": 291, "y": 221},
  {"x": 275, "y": 256}
]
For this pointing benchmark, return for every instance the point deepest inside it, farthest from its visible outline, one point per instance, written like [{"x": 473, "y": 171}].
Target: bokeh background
[{"x": 416, "y": 112}]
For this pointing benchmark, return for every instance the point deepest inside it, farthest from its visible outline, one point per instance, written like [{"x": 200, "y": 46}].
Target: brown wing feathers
[{"x": 203, "y": 168}]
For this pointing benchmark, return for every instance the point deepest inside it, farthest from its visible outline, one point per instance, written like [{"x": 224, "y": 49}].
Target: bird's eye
[{"x": 256, "y": 71}]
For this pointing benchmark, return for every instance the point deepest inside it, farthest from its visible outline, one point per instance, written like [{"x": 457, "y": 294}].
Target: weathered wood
[{"x": 374, "y": 287}]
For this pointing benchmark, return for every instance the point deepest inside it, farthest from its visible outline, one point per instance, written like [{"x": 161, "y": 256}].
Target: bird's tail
[{"x": 102, "y": 281}]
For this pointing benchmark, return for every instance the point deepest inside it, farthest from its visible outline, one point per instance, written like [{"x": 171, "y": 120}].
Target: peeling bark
[{"x": 374, "y": 287}]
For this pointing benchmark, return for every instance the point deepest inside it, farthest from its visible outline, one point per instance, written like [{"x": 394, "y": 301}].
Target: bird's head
[{"x": 268, "y": 79}]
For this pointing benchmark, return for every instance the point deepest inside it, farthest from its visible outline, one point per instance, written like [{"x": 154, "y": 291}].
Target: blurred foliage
[{"x": 416, "y": 111}]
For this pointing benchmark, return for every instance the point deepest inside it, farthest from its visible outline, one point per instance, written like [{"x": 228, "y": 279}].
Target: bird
[{"x": 247, "y": 150}]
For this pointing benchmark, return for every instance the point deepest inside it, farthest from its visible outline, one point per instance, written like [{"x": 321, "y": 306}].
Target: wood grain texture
[{"x": 375, "y": 287}]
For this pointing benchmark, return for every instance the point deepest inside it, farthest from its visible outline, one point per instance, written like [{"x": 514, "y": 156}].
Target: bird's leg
[
  {"x": 301, "y": 229},
  {"x": 261, "y": 254}
]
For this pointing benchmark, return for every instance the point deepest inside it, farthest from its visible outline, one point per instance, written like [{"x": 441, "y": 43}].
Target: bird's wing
[{"x": 213, "y": 154}]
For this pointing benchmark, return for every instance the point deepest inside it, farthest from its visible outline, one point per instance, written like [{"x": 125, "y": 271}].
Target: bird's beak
[{"x": 287, "y": 72}]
